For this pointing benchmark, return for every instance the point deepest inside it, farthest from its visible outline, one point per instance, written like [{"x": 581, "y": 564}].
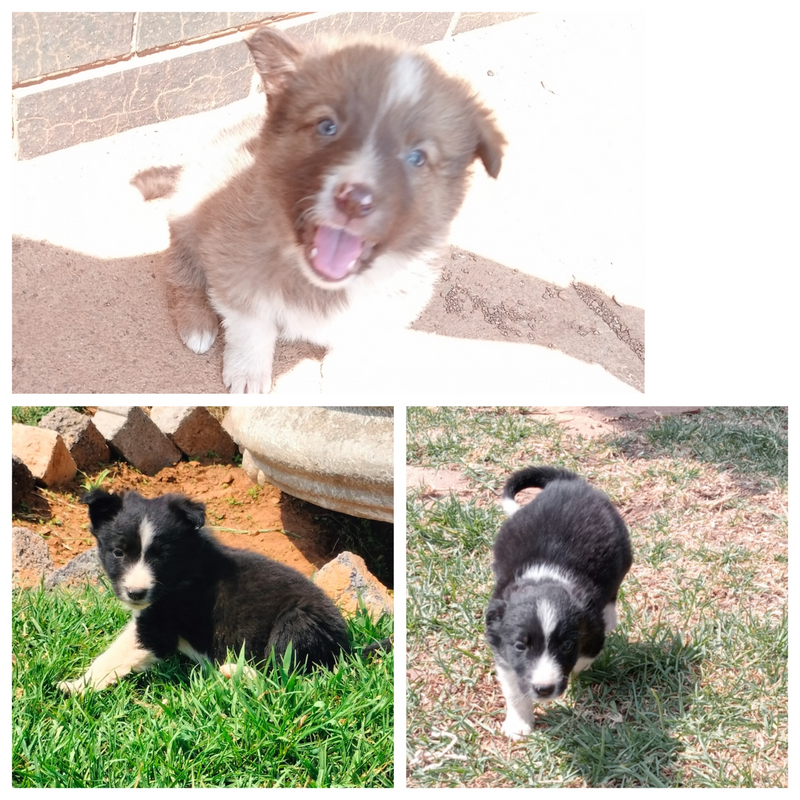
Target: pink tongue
[{"x": 334, "y": 252}]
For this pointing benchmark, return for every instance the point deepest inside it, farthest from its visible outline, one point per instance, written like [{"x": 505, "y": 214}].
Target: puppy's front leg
[
  {"x": 519, "y": 708},
  {"x": 125, "y": 655},
  {"x": 249, "y": 352}
]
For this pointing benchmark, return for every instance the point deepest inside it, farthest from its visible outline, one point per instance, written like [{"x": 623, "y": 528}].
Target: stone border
[{"x": 81, "y": 76}]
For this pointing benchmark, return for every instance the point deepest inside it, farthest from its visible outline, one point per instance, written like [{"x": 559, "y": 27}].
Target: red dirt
[{"x": 242, "y": 514}]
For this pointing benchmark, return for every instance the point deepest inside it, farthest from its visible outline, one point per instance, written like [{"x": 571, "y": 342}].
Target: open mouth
[{"x": 334, "y": 254}]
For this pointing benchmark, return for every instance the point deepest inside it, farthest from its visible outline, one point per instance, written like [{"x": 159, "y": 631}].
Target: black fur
[
  {"x": 558, "y": 565},
  {"x": 214, "y": 597}
]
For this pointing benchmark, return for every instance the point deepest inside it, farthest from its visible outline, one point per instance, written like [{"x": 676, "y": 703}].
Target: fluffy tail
[
  {"x": 532, "y": 477},
  {"x": 156, "y": 182}
]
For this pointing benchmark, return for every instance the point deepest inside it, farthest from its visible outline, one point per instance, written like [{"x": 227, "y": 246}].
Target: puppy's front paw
[
  {"x": 246, "y": 375},
  {"x": 78, "y": 686},
  {"x": 515, "y": 727},
  {"x": 247, "y": 383}
]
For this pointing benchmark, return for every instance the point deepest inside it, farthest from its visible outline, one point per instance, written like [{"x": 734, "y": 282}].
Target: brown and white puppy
[{"x": 326, "y": 223}]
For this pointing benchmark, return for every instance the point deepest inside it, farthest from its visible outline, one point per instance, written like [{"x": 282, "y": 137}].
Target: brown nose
[{"x": 354, "y": 200}]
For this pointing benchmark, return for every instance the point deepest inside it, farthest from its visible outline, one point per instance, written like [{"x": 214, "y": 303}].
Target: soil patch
[{"x": 241, "y": 513}]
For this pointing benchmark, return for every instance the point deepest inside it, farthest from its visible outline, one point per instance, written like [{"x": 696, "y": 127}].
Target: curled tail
[{"x": 532, "y": 477}]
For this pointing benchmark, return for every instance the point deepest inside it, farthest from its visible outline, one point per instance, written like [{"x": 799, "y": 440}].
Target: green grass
[
  {"x": 691, "y": 688},
  {"x": 180, "y": 724}
]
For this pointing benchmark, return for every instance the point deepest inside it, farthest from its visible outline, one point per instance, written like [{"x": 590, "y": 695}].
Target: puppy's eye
[
  {"x": 327, "y": 127},
  {"x": 521, "y": 646},
  {"x": 118, "y": 552},
  {"x": 416, "y": 158},
  {"x": 567, "y": 646}
]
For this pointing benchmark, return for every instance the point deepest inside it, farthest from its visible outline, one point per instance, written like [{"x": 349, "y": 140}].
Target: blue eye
[
  {"x": 416, "y": 158},
  {"x": 327, "y": 127}
]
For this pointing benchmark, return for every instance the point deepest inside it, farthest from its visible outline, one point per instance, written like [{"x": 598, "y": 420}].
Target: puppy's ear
[
  {"x": 495, "y": 612},
  {"x": 491, "y": 142},
  {"x": 275, "y": 56},
  {"x": 193, "y": 512},
  {"x": 103, "y": 506},
  {"x": 494, "y": 616}
]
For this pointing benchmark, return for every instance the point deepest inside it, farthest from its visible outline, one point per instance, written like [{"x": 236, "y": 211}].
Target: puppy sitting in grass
[{"x": 188, "y": 593}]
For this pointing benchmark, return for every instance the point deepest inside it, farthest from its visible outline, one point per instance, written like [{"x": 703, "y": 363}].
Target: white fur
[
  {"x": 139, "y": 577},
  {"x": 185, "y": 648},
  {"x": 510, "y": 506},
  {"x": 406, "y": 82},
  {"x": 546, "y": 572},
  {"x": 519, "y": 708},
  {"x": 386, "y": 298},
  {"x": 123, "y": 656},
  {"x": 200, "y": 341},
  {"x": 546, "y": 672}
]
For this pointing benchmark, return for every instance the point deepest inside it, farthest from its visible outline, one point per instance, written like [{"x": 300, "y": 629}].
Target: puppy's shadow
[{"x": 619, "y": 722}]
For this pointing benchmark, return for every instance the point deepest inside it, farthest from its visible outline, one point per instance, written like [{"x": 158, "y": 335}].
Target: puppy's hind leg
[{"x": 187, "y": 292}]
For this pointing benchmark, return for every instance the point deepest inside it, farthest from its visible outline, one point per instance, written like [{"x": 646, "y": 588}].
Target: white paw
[
  {"x": 237, "y": 382},
  {"x": 247, "y": 370},
  {"x": 199, "y": 341},
  {"x": 229, "y": 670},
  {"x": 516, "y": 728},
  {"x": 77, "y": 686}
]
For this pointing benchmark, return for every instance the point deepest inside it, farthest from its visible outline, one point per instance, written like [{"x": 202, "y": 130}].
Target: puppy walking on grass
[{"x": 558, "y": 565}]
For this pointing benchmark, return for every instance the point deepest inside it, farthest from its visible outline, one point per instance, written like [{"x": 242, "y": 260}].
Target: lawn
[
  {"x": 183, "y": 725},
  {"x": 691, "y": 689}
]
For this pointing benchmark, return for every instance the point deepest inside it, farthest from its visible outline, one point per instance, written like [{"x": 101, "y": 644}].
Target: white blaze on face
[
  {"x": 139, "y": 576},
  {"x": 406, "y": 81},
  {"x": 546, "y": 670}
]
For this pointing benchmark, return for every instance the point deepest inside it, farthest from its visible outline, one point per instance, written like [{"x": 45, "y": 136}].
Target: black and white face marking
[
  {"x": 136, "y": 580},
  {"x": 542, "y": 640}
]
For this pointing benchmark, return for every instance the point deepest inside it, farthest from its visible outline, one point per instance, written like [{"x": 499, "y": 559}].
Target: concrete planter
[{"x": 337, "y": 458}]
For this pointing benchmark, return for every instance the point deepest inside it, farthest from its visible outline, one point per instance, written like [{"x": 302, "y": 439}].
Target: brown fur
[{"x": 247, "y": 246}]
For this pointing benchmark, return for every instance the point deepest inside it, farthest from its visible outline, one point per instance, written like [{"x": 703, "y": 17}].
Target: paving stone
[
  {"x": 136, "y": 437},
  {"x": 194, "y": 431},
  {"x": 43, "y": 43},
  {"x": 346, "y": 580},
  {"x": 85, "y": 443},
  {"x": 44, "y": 453},
  {"x": 337, "y": 458}
]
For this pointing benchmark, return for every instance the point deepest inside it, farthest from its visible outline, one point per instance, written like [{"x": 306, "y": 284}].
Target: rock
[
  {"x": 194, "y": 431},
  {"x": 137, "y": 438},
  {"x": 82, "y": 568},
  {"x": 44, "y": 453},
  {"x": 30, "y": 558},
  {"x": 346, "y": 579},
  {"x": 85, "y": 443},
  {"x": 22, "y": 483},
  {"x": 338, "y": 458}
]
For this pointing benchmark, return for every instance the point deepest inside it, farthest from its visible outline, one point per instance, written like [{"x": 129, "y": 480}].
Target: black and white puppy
[
  {"x": 189, "y": 593},
  {"x": 558, "y": 565}
]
